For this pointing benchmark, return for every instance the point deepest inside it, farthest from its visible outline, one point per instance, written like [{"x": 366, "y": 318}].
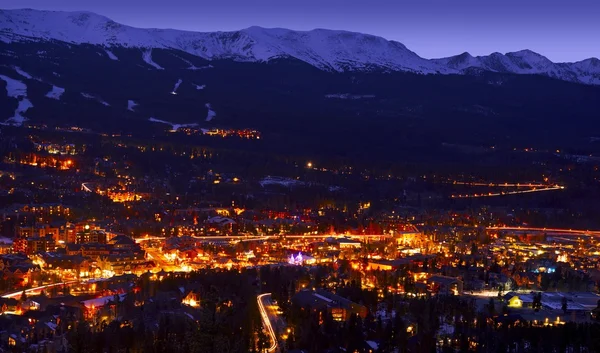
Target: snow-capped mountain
[
  {"x": 527, "y": 62},
  {"x": 325, "y": 49}
]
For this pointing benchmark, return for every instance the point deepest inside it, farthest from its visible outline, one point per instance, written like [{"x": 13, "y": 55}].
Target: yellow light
[
  {"x": 309, "y": 164},
  {"x": 216, "y": 181}
]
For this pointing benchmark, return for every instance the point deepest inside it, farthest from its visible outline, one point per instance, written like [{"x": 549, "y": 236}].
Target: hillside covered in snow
[{"x": 330, "y": 50}]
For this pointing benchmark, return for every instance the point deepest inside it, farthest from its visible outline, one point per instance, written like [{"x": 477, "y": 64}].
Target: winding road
[{"x": 272, "y": 322}]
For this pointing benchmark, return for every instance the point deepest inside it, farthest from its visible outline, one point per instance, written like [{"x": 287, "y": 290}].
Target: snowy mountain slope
[
  {"x": 325, "y": 49},
  {"x": 18, "y": 90},
  {"x": 527, "y": 62}
]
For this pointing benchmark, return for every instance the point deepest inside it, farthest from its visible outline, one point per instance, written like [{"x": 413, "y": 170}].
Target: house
[
  {"x": 515, "y": 300},
  {"x": 20, "y": 274},
  {"x": 91, "y": 236},
  {"x": 347, "y": 243},
  {"x": 388, "y": 265},
  {"x": 8, "y": 305},
  {"x": 30, "y": 304},
  {"x": 192, "y": 298},
  {"x": 445, "y": 285},
  {"x": 123, "y": 242},
  {"x": 500, "y": 281},
  {"x": 341, "y": 309}
]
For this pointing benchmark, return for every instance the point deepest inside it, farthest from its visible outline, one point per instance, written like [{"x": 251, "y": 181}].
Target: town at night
[{"x": 194, "y": 177}]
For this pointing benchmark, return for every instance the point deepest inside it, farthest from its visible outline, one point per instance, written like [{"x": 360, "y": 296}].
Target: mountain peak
[{"x": 325, "y": 49}]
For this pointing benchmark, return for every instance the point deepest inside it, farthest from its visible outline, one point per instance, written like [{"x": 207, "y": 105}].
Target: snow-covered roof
[{"x": 99, "y": 302}]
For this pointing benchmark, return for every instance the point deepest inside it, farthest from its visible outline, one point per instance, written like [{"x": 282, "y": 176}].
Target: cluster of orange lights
[
  {"x": 48, "y": 162},
  {"x": 124, "y": 196},
  {"x": 244, "y": 133}
]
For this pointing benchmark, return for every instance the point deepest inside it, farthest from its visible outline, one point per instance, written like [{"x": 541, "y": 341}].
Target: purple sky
[{"x": 562, "y": 30}]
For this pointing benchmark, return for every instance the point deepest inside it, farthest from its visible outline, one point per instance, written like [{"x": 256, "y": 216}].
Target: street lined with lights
[
  {"x": 504, "y": 193},
  {"x": 266, "y": 321}
]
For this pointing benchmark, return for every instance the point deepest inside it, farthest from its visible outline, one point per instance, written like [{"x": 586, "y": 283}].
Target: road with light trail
[
  {"x": 269, "y": 318},
  {"x": 268, "y": 237},
  {"x": 36, "y": 289}
]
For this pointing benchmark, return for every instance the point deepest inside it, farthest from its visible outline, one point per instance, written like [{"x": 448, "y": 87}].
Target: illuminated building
[
  {"x": 445, "y": 285},
  {"x": 192, "y": 299},
  {"x": 341, "y": 309},
  {"x": 94, "y": 236},
  {"x": 300, "y": 259}
]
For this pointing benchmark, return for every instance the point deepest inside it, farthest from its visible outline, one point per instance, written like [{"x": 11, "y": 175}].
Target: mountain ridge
[{"x": 330, "y": 50}]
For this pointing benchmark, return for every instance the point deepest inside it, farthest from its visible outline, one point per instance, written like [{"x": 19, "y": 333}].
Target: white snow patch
[
  {"x": 349, "y": 96},
  {"x": 192, "y": 66},
  {"x": 111, "y": 55},
  {"x": 177, "y": 84},
  {"x": 211, "y": 113},
  {"x": 55, "y": 92},
  {"x": 174, "y": 127},
  {"x": 147, "y": 57},
  {"x": 131, "y": 104},
  {"x": 17, "y": 89},
  {"x": 200, "y": 87},
  {"x": 200, "y": 68},
  {"x": 98, "y": 99},
  {"x": 100, "y": 302},
  {"x": 22, "y": 73},
  {"x": 275, "y": 180},
  {"x": 374, "y": 346}
]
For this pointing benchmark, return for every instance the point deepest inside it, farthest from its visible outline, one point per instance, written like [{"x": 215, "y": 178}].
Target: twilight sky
[{"x": 562, "y": 30}]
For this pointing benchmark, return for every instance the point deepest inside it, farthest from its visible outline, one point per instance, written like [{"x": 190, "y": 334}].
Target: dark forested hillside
[{"x": 295, "y": 105}]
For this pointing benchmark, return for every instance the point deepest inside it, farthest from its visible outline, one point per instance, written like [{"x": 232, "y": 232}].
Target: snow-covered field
[
  {"x": 174, "y": 127},
  {"x": 55, "y": 92},
  {"x": 147, "y": 57},
  {"x": 211, "y": 113},
  {"x": 18, "y": 90},
  {"x": 131, "y": 104},
  {"x": 22, "y": 73},
  {"x": 98, "y": 99}
]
